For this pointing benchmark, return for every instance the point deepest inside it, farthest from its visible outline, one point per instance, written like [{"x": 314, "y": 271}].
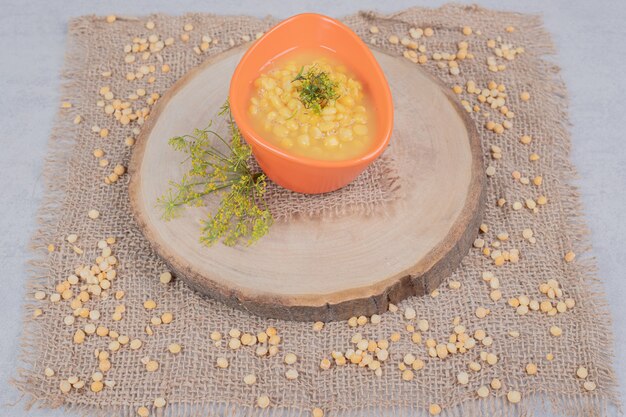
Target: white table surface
[{"x": 590, "y": 36}]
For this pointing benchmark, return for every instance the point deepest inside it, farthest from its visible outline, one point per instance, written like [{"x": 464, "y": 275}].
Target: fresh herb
[
  {"x": 316, "y": 88},
  {"x": 242, "y": 213}
]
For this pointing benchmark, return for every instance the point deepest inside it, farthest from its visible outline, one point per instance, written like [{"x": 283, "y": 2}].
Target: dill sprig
[
  {"x": 316, "y": 88},
  {"x": 242, "y": 212}
]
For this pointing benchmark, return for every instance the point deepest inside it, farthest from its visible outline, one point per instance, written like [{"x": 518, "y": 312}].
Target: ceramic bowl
[{"x": 310, "y": 32}]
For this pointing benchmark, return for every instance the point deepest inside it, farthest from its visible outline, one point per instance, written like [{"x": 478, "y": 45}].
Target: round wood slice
[{"x": 323, "y": 269}]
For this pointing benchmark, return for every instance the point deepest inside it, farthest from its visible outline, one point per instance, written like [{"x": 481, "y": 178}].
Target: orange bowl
[{"x": 311, "y": 32}]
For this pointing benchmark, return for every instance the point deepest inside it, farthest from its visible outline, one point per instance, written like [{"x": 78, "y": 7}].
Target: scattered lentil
[
  {"x": 407, "y": 375},
  {"x": 556, "y": 331},
  {"x": 222, "y": 363},
  {"x": 263, "y": 401},
  {"x": 463, "y": 378},
  {"x": 514, "y": 396},
  {"x": 291, "y": 374},
  {"x": 569, "y": 256},
  {"x": 165, "y": 277},
  {"x": 589, "y": 385},
  {"x": 483, "y": 391},
  {"x": 495, "y": 384},
  {"x": 174, "y": 348}
]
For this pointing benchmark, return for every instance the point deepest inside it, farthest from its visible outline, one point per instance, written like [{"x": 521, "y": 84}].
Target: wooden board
[{"x": 335, "y": 268}]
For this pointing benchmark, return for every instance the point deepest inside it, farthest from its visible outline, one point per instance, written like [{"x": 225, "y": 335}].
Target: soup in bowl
[{"x": 313, "y": 104}]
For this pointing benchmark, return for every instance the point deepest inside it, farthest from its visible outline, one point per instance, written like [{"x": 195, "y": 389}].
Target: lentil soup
[{"x": 312, "y": 106}]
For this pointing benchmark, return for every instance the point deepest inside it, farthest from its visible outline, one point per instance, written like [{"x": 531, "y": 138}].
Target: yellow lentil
[
  {"x": 514, "y": 396},
  {"x": 167, "y": 318},
  {"x": 152, "y": 366},
  {"x": 165, "y": 277},
  {"x": 291, "y": 374},
  {"x": 495, "y": 383},
  {"x": 483, "y": 391},
  {"x": 556, "y": 331},
  {"x": 462, "y": 378},
  {"x": 249, "y": 379},
  {"x": 589, "y": 385},
  {"x": 434, "y": 409},
  {"x": 263, "y": 401},
  {"x": 407, "y": 375},
  {"x": 96, "y": 386},
  {"x": 222, "y": 363},
  {"x": 482, "y": 312},
  {"x": 174, "y": 348}
]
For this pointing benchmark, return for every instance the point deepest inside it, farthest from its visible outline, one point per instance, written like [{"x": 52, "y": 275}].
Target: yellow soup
[{"x": 336, "y": 126}]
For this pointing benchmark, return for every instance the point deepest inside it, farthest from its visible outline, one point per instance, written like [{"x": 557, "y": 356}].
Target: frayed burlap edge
[{"x": 598, "y": 403}]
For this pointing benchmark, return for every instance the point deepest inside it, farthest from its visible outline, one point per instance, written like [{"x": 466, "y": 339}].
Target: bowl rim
[{"x": 385, "y": 108}]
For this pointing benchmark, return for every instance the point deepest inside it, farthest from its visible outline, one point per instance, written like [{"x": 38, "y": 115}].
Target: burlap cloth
[{"x": 191, "y": 383}]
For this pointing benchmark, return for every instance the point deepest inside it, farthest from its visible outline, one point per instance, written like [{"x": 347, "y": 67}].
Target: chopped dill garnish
[
  {"x": 242, "y": 212},
  {"x": 316, "y": 88}
]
